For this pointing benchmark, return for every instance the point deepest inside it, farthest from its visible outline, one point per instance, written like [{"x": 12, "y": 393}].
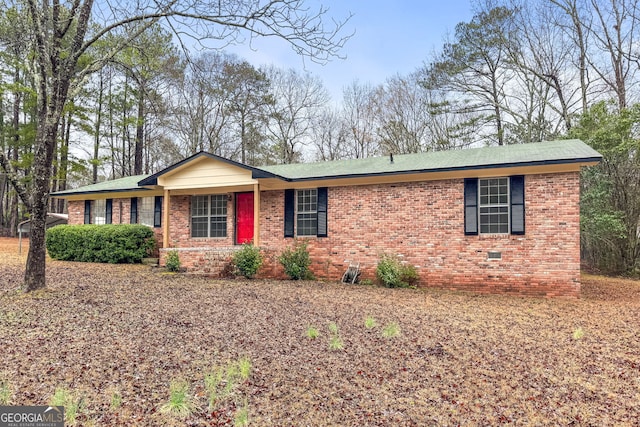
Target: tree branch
[{"x": 14, "y": 179}]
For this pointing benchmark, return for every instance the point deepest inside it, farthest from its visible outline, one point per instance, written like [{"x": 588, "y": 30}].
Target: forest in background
[{"x": 518, "y": 72}]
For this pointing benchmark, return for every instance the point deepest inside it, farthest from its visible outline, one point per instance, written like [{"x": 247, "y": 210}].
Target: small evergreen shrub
[
  {"x": 296, "y": 262},
  {"x": 247, "y": 260},
  {"x": 392, "y": 273},
  {"x": 109, "y": 243},
  {"x": 173, "y": 261}
]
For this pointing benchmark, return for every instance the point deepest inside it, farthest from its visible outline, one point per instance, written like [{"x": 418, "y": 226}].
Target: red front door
[{"x": 244, "y": 218}]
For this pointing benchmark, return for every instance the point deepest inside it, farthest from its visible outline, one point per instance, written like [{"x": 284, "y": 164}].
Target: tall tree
[
  {"x": 543, "y": 60},
  {"x": 474, "y": 65},
  {"x": 298, "y": 100},
  {"x": 18, "y": 91},
  {"x": 199, "y": 120},
  {"x": 405, "y": 116},
  {"x": 329, "y": 136},
  {"x": 574, "y": 20},
  {"x": 610, "y": 205},
  {"x": 249, "y": 99},
  {"x": 614, "y": 30},
  {"x": 61, "y": 34},
  {"x": 360, "y": 119},
  {"x": 151, "y": 56}
]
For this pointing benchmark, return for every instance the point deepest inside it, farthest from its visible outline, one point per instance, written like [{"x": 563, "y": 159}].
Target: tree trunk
[
  {"x": 243, "y": 140},
  {"x": 64, "y": 162},
  {"x": 54, "y": 170},
  {"x": 126, "y": 148},
  {"x": 137, "y": 163},
  {"x": 34, "y": 277},
  {"x": 112, "y": 130},
  {"x": 15, "y": 141},
  {"x": 96, "y": 139},
  {"x": 3, "y": 178}
]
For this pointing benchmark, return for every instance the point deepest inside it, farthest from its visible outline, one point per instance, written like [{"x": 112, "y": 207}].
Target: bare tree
[
  {"x": 298, "y": 99},
  {"x": 614, "y": 31},
  {"x": 329, "y": 136},
  {"x": 403, "y": 111},
  {"x": 359, "y": 115},
  {"x": 62, "y": 32},
  {"x": 544, "y": 54},
  {"x": 249, "y": 101},
  {"x": 199, "y": 120},
  {"x": 574, "y": 20}
]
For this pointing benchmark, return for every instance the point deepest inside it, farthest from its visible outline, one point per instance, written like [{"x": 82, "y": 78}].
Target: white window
[
  {"x": 146, "y": 210},
  {"x": 209, "y": 216},
  {"x": 494, "y": 205},
  {"x": 99, "y": 212},
  {"x": 307, "y": 212}
]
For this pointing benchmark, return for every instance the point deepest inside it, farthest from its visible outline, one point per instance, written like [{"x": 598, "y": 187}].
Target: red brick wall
[
  {"x": 75, "y": 209},
  {"x": 423, "y": 224},
  {"x": 199, "y": 254}
]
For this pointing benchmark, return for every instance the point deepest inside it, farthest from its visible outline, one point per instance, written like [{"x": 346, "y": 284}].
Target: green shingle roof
[
  {"x": 550, "y": 152},
  {"x": 128, "y": 183},
  {"x": 540, "y": 153}
]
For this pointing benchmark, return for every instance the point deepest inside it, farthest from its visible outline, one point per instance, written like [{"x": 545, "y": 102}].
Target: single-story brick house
[{"x": 494, "y": 219}]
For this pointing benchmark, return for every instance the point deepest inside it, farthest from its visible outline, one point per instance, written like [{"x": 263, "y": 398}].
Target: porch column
[
  {"x": 256, "y": 214},
  {"x": 165, "y": 219}
]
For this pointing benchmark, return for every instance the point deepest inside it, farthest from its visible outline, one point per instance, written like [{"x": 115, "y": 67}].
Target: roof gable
[{"x": 198, "y": 157}]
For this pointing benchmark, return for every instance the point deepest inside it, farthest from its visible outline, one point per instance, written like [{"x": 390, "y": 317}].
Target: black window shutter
[
  {"x": 517, "y": 204},
  {"x": 289, "y": 212},
  {"x": 471, "y": 206},
  {"x": 322, "y": 211},
  {"x": 157, "y": 211},
  {"x": 87, "y": 211},
  {"x": 109, "y": 212},
  {"x": 133, "y": 217}
]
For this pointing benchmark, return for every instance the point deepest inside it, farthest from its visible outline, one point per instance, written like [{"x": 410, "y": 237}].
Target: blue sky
[{"x": 391, "y": 37}]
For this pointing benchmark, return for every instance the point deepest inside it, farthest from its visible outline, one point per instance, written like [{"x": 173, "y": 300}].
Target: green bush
[
  {"x": 110, "y": 243},
  {"x": 392, "y": 273},
  {"x": 247, "y": 260},
  {"x": 296, "y": 262},
  {"x": 173, "y": 261}
]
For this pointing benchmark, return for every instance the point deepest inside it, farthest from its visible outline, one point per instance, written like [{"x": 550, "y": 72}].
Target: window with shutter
[
  {"x": 305, "y": 212},
  {"x": 494, "y": 205}
]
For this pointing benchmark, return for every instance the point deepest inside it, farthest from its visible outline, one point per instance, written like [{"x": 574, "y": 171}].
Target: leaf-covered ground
[{"x": 116, "y": 336}]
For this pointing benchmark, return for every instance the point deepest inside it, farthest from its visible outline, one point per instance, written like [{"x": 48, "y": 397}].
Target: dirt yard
[{"x": 111, "y": 339}]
